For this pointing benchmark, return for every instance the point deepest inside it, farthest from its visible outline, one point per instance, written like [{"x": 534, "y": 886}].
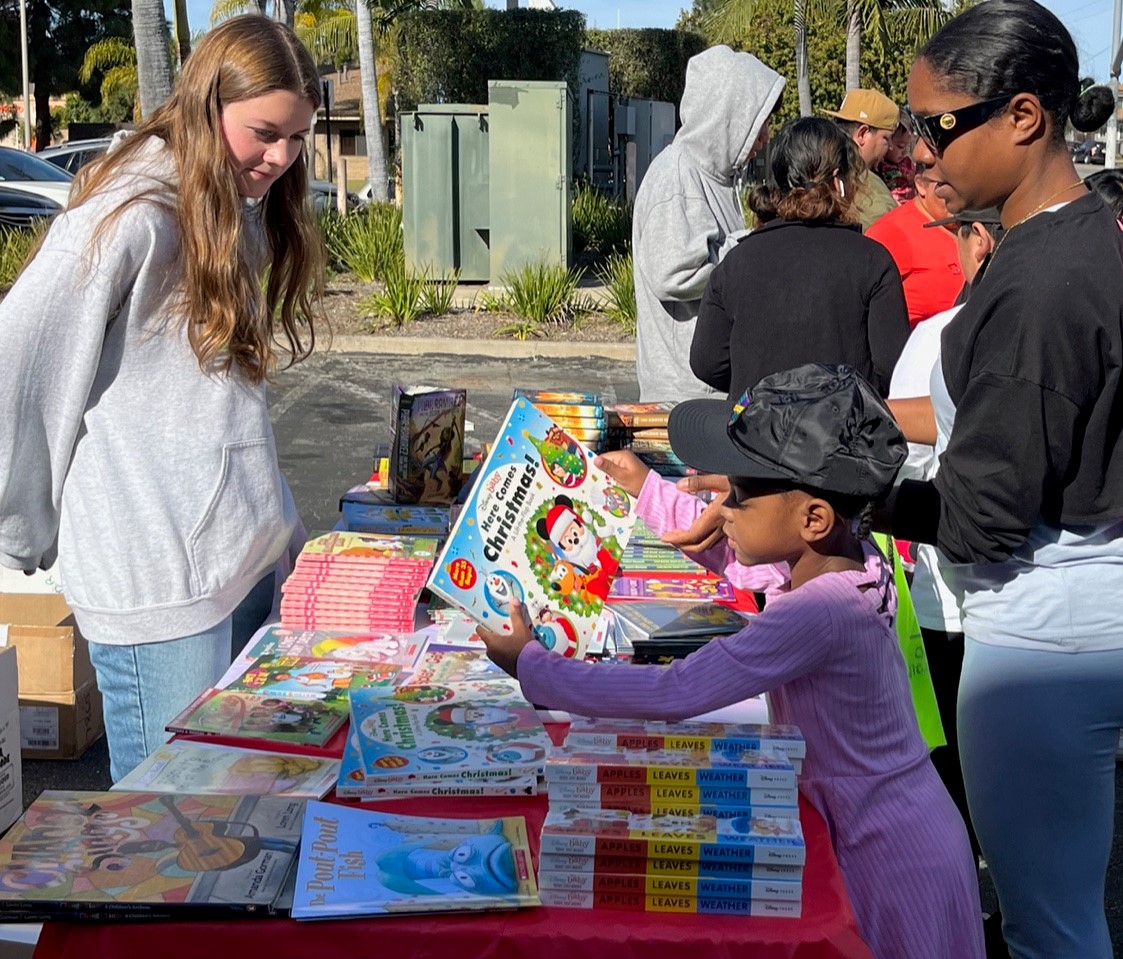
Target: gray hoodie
[
  {"x": 687, "y": 207},
  {"x": 160, "y": 482}
]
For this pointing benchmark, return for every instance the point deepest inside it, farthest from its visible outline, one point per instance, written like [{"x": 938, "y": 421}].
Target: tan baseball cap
[{"x": 869, "y": 107}]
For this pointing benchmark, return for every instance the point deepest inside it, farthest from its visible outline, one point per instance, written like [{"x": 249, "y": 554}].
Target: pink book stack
[{"x": 357, "y": 581}]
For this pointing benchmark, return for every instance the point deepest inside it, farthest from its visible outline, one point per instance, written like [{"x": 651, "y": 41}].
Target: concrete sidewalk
[{"x": 506, "y": 349}]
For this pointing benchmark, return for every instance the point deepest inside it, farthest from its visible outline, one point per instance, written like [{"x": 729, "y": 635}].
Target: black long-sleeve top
[
  {"x": 792, "y": 293},
  {"x": 1032, "y": 363}
]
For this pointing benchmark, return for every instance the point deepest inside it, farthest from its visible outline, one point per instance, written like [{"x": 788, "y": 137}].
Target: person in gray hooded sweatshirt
[{"x": 687, "y": 211}]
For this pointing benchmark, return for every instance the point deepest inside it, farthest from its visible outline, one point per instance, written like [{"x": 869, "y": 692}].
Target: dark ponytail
[
  {"x": 1004, "y": 47},
  {"x": 806, "y": 156}
]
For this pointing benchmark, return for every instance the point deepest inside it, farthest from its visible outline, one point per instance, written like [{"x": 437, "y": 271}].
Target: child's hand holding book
[
  {"x": 503, "y": 648},
  {"x": 626, "y": 468}
]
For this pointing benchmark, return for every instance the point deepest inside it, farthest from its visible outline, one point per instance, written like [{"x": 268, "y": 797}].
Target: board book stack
[
  {"x": 146, "y": 855},
  {"x": 617, "y": 859},
  {"x": 357, "y": 581},
  {"x": 655, "y": 785},
  {"x": 426, "y": 444},
  {"x": 424, "y": 739},
  {"x": 610, "y": 735},
  {"x": 581, "y": 415},
  {"x": 543, "y": 525},
  {"x": 356, "y": 862}
]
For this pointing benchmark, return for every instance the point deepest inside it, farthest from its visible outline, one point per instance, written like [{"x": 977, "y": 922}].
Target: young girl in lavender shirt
[{"x": 806, "y": 452}]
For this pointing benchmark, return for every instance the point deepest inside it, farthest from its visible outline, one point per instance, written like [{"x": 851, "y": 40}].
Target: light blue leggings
[
  {"x": 144, "y": 687},
  {"x": 1037, "y": 737}
]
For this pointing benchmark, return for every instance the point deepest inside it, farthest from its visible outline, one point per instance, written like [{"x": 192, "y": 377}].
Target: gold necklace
[{"x": 1037, "y": 209}]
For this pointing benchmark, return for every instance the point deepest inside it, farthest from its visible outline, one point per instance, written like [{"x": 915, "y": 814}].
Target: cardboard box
[
  {"x": 11, "y": 768},
  {"x": 60, "y": 706}
]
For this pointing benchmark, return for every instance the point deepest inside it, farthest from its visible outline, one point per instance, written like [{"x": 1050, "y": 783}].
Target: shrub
[
  {"x": 620, "y": 288},
  {"x": 601, "y": 223},
  {"x": 366, "y": 242},
  {"x": 438, "y": 293},
  {"x": 540, "y": 293},
  {"x": 400, "y": 299},
  {"x": 15, "y": 245}
]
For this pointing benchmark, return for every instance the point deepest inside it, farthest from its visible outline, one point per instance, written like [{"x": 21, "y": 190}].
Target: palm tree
[
  {"x": 154, "y": 68},
  {"x": 115, "y": 59},
  {"x": 283, "y": 10},
  {"x": 182, "y": 31},
  {"x": 894, "y": 26},
  {"x": 731, "y": 19}
]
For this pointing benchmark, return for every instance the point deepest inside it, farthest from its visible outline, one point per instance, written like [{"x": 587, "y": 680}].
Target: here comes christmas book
[{"x": 543, "y": 525}]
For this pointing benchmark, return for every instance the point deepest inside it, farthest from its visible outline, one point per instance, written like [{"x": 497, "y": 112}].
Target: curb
[{"x": 498, "y": 349}]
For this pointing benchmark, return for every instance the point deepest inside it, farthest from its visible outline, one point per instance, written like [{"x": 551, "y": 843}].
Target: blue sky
[{"x": 1088, "y": 20}]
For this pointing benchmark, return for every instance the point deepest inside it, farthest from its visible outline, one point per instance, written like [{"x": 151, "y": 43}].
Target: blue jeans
[
  {"x": 1037, "y": 736},
  {"x": 144, "y": 687}
]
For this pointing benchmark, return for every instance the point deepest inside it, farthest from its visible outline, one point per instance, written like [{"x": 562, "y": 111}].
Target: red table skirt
[{"x": 826, "y": 930}]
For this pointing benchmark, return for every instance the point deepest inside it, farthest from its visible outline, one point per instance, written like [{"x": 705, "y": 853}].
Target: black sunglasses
[{"x": 940, "y": 129}]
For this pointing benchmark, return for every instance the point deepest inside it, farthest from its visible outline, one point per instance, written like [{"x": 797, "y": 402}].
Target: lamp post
[{"x": 27, "y": 78}]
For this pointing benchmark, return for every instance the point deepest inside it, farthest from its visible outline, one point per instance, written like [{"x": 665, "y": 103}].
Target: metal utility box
[
  {"x": 653, "y": 130},
  {"x": 531, "y": 125},
  {"x": 445, "y": 189}
]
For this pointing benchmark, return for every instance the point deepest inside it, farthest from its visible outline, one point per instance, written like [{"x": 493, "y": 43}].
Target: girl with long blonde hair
[{"x": 135, "y": 440}]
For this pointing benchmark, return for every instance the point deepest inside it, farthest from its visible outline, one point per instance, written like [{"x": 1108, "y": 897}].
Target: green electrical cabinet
[
  {"x": 531, "y": 172},
  {"x": 445, "y": 189}
]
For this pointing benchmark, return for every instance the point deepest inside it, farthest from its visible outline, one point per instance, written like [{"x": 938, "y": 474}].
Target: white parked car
[
  {"x": 26, "y": 171},
  {"x": 75, "y": 154}
]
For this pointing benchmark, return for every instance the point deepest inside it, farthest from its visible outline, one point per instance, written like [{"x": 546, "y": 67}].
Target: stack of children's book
[
  {"x": 581, "y": 415},
  {"x": 642, "y": 428},
  {"x": 369, "y": 508},
  {"x": 165, "y": 855},
  {"x": 292, "y": 685},
  {"x": 189, "y": 766},
  {"x": 470, "y": 737},
  {"x": 148, "y": 855},
  {"x": 674, "y": 817},
  {"x": 647, "y": 557},
  {"x": 357, "y": 581}
]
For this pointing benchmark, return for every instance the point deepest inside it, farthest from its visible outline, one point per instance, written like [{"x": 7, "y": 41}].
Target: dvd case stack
[
  {"x": 363, "y": 582},
  {"x": 656, "y": 631},
  {"x": 581, "y": 415},
  {"x": 642, "y": 428},
  {"x": 664, "y": 830}
]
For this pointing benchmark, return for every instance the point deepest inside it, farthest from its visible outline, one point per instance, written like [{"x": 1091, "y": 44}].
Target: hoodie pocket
[{"x": 244, "y": 527}]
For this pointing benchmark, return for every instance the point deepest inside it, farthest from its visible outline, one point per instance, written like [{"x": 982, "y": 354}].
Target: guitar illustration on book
[{"x": 204, "y": 846}]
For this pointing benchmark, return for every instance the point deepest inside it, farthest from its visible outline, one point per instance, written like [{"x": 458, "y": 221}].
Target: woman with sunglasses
[{"x": 1028, "y": 503}]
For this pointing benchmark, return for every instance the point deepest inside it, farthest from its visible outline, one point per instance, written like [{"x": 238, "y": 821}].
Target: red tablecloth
[{"x": 826, "y": 930}]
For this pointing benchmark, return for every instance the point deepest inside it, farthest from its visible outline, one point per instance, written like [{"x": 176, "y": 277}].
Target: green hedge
[
  {"x": 648, "y": 63},
  {"x": 447, "y": 56}
]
